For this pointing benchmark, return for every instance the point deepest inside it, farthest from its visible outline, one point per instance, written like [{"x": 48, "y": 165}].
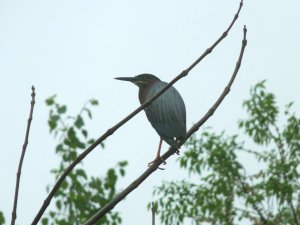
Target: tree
[
  {"x": 2, "y": 220},
  {"x": 225, "y": 191},
  {"x": 80, "y": 195},
  {"x": 71, "y": 142}
]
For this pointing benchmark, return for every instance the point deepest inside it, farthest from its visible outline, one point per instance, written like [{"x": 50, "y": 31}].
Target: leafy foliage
[
  {"x": 80, "y": 195},
  {"x": 263, "y": 114},
  {"x": 2, "y": 220},
  {"x": 223, "y": 191}
]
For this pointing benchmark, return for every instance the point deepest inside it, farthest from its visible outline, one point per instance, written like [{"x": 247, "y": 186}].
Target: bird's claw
[{"x": 158, "y": 159}]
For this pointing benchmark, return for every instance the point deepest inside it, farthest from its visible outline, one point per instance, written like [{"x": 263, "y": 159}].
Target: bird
[{"x": 167, "y": 113}]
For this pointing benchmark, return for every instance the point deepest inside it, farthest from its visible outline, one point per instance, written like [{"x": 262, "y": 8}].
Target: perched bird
[{"x": 166, "y": 114}]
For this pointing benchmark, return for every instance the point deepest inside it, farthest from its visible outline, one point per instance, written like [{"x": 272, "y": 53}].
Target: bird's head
[{"x": 141, "y": 80}]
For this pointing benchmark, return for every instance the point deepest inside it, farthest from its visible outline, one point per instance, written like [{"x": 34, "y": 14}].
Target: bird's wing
[{"x": 167, "y": 113}]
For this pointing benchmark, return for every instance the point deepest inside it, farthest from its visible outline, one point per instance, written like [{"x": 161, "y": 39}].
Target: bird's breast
[{"x": 167, "y": 113}]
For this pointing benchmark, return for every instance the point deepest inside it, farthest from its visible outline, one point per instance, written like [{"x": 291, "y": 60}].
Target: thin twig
[
  {"x": 171, "y": 150},
  {"x": 14, "y": 212},
  {"x": 123, "y": 121},
  {"x": 247, "y": 189},
  {"x": 153, "y": 210}
]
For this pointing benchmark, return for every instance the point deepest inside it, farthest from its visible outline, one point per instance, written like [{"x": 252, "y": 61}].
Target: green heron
[{"x": 166, "y": 113}]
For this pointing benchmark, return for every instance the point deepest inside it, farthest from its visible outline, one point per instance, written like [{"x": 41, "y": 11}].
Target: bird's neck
[{"x": 144, "y": 91}]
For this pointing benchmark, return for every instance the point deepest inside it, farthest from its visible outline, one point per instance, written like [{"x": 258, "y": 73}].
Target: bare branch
[
  {"x": 14, "y": 212},
  {"x": 171, "y": 150},
  {"x": 123, "y": 121}
]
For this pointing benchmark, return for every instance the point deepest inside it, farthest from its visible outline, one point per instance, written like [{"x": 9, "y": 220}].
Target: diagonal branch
[
  {"x": 171, "y": 150},
  {"x": 123, "y": 121},
  {"x": 14, "y": 212}
]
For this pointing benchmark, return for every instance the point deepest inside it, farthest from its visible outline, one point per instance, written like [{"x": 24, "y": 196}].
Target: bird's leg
[
  {"x": 158, "y": 157},
  {"x": 177, "y": 148}
]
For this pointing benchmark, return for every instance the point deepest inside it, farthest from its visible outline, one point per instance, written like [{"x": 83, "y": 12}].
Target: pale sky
[{"x": 74, "y": 48}]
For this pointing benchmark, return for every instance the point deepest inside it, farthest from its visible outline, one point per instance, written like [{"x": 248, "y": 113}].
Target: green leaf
[
  {"x": 62, "y": 109},
  {"x": 88, "y": 112},
  {"x": 94, "y": 102},
  {"x": 91, "y": 141},
  {"x": 123, "y": 163},
  {"x": 64, "y": 185},
  {"x": 58, "y": 204},
  {"x": 50, "y": 101},
  {"x": 52, "y": 214},
  {"x": 122, "y": 172},
  {"x": 81, "y": 173},
  {"x": 52, "y": 124},
  {"x": 102, "y": 145},
  {"x": 59, "y": 148},
  {"x": 45, "y": 221},
  {"x": 79, "y": 123},
  {"x": 84, "y": 133},
  {"x": 2, "y": 219}
]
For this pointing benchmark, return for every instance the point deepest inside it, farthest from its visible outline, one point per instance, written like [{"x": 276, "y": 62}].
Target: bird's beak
[{"x": 131, "y": 79}]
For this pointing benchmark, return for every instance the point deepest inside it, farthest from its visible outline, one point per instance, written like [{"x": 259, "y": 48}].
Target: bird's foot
[
  {"x": 176, "y": 149},
  {"x": 158, "y": 158}
]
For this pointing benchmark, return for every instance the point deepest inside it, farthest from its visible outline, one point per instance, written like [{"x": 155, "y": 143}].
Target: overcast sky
[{"x": 75, "y": 48}]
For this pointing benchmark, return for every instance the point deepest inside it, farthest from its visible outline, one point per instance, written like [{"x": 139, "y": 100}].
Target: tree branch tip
[
  {"x": 245, "y": 35},
  {"x": 245, "y": 29},
  {"x": 33, "y": 89},
  {"x": 15, "y": 203},
  {"x": 33, "y": 93}
]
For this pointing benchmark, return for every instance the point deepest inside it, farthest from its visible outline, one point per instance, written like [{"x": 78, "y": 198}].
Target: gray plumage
[{"x": 167, "y": 113}]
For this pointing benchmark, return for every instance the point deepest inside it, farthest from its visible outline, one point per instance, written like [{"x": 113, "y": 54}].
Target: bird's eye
[{"x": 141, "y": 82}]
